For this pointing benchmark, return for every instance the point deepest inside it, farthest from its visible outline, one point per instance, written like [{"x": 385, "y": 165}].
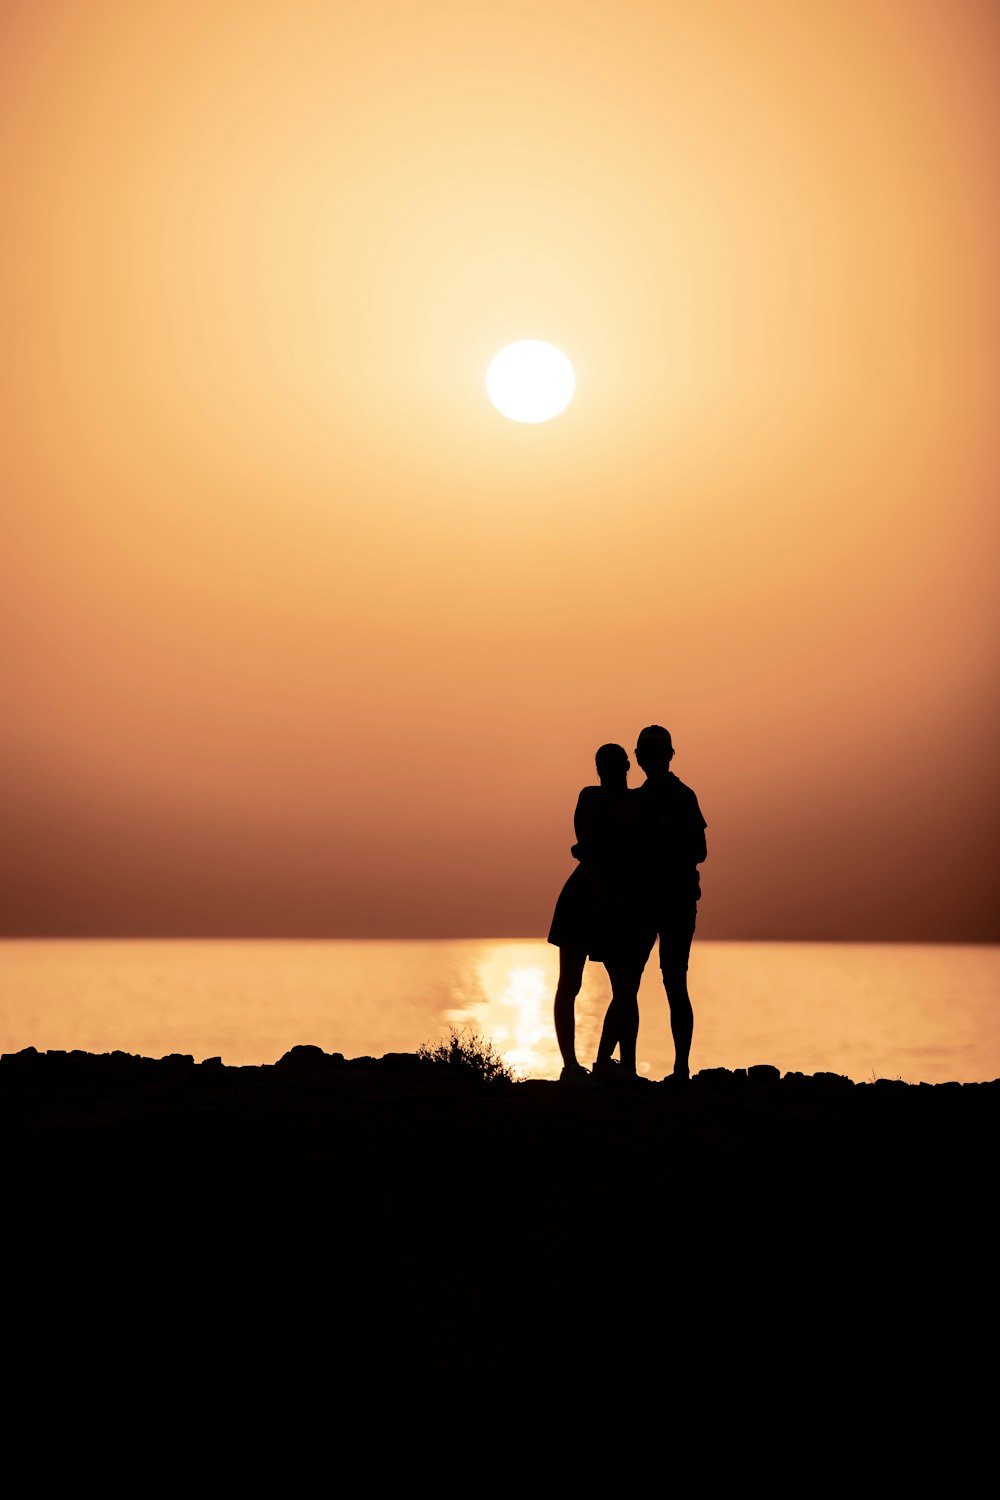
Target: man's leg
[
  {"x": 676, "y": 933},
  {"x": 571, "y": 962}
]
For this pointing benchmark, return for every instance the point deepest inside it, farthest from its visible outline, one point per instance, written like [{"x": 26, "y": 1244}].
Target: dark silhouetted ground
[{"x": 385, "y": 1224}]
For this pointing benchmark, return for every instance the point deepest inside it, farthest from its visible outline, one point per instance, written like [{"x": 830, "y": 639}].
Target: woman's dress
[{"x": 593, "y": 912}]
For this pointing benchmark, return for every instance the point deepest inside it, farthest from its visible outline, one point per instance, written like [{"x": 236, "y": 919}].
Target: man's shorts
[{"x": 673, "y": 926}]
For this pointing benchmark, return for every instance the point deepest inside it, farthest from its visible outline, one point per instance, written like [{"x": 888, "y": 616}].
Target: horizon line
[{"x": 278, "y": 937}]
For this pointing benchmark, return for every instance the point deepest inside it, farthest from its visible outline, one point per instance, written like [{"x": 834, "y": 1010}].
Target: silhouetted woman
[{"x": 592, "y": 915}]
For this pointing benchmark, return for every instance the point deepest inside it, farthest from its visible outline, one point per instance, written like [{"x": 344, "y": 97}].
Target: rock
[
  {"x": 27, "y": 1055},
  {"x": 721, "y": 1077},
  {"x": 833, "y": 1080},
  {"x": 764, "y": 1073},
  {"x": 305, "y": 1055},
  {"x": 797, "y": 1080}
]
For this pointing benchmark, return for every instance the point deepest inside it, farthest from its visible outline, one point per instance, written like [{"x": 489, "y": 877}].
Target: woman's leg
[
  {"x": 571, "y": 962},
  {"x": 622, "y": 1020},
  {"x": 609, "y": 1031}
]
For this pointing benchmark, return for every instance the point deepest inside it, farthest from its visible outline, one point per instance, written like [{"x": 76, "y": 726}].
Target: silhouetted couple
[{"x": 636, "y": 883}]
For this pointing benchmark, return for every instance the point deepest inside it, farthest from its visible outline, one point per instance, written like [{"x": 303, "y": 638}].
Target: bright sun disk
[{"x": 530, "y": 381}]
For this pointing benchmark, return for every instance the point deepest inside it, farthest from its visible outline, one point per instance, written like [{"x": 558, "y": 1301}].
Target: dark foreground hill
[{"x": 386, "y": 1221}]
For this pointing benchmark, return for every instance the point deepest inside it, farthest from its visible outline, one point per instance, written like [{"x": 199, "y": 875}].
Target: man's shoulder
[
  {"x": 686, "y": 797},
  {"x": 670, "y": 786},
  {"x": 671, "y": 797},
  {"x": 681, "y": 788}
]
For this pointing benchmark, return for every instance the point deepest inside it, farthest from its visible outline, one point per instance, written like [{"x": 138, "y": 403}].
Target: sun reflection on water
[{"x": 513, "y": 1009}]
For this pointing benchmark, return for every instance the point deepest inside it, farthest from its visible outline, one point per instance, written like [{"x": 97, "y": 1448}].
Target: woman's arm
[{"x": 585, "y": 823}]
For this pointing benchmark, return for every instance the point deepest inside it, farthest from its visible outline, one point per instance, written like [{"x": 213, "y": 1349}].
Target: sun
[{"x": 530, "y": 381}]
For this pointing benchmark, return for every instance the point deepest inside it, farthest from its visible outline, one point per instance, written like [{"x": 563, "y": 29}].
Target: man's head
[
  {"x": 612, "y": 764},
  {"x": 654, "y": 749}
]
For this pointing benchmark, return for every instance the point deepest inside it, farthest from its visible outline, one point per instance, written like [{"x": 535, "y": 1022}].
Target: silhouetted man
[{"x": 671, "y": 846}]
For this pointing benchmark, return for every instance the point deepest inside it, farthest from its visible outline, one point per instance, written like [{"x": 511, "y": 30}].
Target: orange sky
[{"x": 299, "y": 636}]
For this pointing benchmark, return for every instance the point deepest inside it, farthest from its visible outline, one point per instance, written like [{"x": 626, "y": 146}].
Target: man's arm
[{"x": 698, "y": 825}]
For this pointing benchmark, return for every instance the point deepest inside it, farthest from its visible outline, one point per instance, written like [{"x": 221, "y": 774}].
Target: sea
[{"x": 922, "y": 1013}]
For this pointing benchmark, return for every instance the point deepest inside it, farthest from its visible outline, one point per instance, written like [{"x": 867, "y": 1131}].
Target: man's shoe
[
  {"x": 676, "y": 1082},
  {"x": 575, "y": 1075}
]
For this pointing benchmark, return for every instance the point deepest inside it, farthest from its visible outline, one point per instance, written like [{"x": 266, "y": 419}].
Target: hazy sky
[{"x": 300, "y": 636}]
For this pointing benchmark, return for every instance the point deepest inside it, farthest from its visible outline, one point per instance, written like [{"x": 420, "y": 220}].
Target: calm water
[{"x": 868, "y": 1010}]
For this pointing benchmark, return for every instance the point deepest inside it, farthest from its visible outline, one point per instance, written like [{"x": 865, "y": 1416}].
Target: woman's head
[{"x": 612, "y": 765}]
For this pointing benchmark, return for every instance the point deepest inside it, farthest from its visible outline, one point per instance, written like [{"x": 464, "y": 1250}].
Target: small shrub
[{"x": 467, "y": 1055}]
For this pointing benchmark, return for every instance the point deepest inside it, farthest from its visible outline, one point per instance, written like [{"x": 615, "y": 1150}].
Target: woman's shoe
[{"x": 608, "y": 1070}]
